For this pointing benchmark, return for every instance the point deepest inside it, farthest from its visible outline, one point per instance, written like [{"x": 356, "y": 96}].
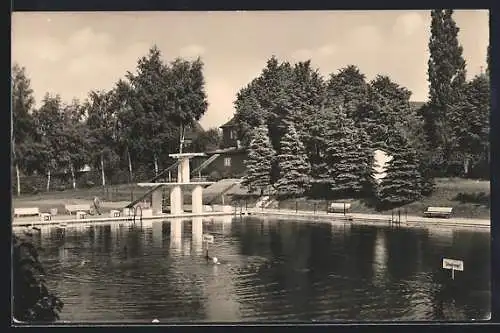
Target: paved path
[{"x": 381, "y": 218}]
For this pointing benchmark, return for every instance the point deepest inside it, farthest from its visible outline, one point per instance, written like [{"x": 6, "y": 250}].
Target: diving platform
[{"x": 178, "y": 188}]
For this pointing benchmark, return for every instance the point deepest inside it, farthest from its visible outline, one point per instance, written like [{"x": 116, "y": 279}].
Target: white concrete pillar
[
  {"x": 183, "y": 170},
  {"x": 157, "y": 201},
  {"x": 197, "y": 235},
  {"x": 197, "y": 200},
  {"x": 176, "y": 200}
]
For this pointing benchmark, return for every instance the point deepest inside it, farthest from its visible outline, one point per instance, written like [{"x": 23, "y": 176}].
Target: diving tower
[{"x": 177, "y": 188}]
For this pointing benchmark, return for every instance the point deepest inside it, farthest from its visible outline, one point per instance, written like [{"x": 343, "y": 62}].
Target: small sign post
[{"x": 453, "y": 265}]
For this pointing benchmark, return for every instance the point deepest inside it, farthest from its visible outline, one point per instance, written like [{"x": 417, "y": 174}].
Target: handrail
[
  {"x": 135, "y": 212},
  {"x": 155, "y": 178},
  {"x": 223, "y": 192}
]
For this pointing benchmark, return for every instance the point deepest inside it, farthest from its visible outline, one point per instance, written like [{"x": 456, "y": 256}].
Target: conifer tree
[
  {"x": 403, "y": 182},
  {"x": 294, "y": 167},
  {"x": 446, "y": 75},
  {"x": 258, "y": 163},
  {"x": 346, "y": 172}
]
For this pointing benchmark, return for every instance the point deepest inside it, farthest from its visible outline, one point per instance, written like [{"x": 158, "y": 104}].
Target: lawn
[{"x": 469, "y": 198}]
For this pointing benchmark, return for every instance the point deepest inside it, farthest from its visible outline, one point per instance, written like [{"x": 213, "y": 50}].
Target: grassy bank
[{"x": 469, "y": 199}]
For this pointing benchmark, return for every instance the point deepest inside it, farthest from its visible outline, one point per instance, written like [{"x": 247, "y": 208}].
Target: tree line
[
  {"x": 126, "y": 131},
  {"x": 308, "y": 135}
]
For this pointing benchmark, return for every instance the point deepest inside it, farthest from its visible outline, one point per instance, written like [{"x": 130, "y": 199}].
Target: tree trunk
[
  {"x": 466, "y": 165},
  {"x": 18, "y": 179},
  {"x": 156, "y": 165},
  {"x": 48, "y": 180},
  {"x": 72, "y": 174},
  {"x": 102, "y": 171},
  {"x": 181, "y": 141},
  {"x": 130, "y": 166}
]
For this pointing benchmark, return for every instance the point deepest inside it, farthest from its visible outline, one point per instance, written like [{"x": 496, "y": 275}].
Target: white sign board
[
  {"x": 456, "y": 265},
  {"x": 208, "y": 238}
]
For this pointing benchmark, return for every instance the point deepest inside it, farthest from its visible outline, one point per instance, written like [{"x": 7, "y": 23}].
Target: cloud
[
  {"x": 191, "y": 51},
  {"x": 365, "y": 37},
  {"x": 409, "y": 23},
  {"x": 320, "y": 52},
  {"x": 327, "y": 50},
  {"x": 302, "y": 54},
  {"x": 87, "y": 40}
]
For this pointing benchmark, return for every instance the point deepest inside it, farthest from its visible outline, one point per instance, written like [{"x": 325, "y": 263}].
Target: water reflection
[
  {"x": 270, "y": 270},
  {"x": 380, "y": 259},
  {"x": 197, "y": 235},
  {"x": 176, "y": 235}
]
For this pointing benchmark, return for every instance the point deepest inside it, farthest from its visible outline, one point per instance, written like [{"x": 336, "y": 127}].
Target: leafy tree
[
  {"x": 402, "y": 183},
  {"x": 32, "y": 301},
  {"x": 258, "y": 163},
  {"x": 386, "y": 105},
  {"x": 186, "y": 94},
  {"x": 249, "y": 114},
  {"x": 207, "y": 140},
  {"x": 293, "y": 165},
  {"x": 101, "y": 122},
  {"x": 48, "y": 123},
  {"x": 72, "y": 152},
  {"x": 470, "y": 121},
  {"x": 22, "y": 122},
  {"x": 150, "y": 106},
  {"x": 446, "y": 75},
  {"x": 129, "y": 144}
]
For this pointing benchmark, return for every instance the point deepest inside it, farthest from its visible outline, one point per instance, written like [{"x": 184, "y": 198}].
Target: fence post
[
  {"x": 344, "y": 208},
  {"x": 314, "y": 208},
  {"x": 296, "y": 207},
  {"x": 392, "y": 215},
  {"x": 326, "y": 208},
  {"x": 399, "y": 216}
]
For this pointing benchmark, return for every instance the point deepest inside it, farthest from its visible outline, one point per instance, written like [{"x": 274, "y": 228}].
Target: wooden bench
[
  {"x": 29, "y": 211},
  {"x": 339, "y": 207},
  {"x": 438, "y": 212},
  {"x": 77, "y": 208}
]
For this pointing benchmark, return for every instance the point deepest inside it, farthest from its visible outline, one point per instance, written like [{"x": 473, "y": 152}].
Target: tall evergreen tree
[
  {"x": 346, "y": 171},
  {"x": 446, "y": 75},
  {"x": 294, "y": 167},
  {"x": 402, "y": 183},
  {"x": 259, "y": 161},
  {"x": 347, "y": 88}
]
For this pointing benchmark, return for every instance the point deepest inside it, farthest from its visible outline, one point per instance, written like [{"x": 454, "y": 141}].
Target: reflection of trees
[{"x": 402, "y": 246}]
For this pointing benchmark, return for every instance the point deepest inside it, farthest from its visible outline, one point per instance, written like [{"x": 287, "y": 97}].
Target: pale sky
[{"x": 73, "y": 53}]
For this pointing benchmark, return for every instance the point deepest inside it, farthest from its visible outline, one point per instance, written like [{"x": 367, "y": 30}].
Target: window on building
[
  {"x": 227, "y": 161},
  {"x": 232, "y": 134}
]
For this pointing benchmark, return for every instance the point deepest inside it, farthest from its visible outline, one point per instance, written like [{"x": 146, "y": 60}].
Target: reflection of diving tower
[{"x": 177, "y": 188}]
